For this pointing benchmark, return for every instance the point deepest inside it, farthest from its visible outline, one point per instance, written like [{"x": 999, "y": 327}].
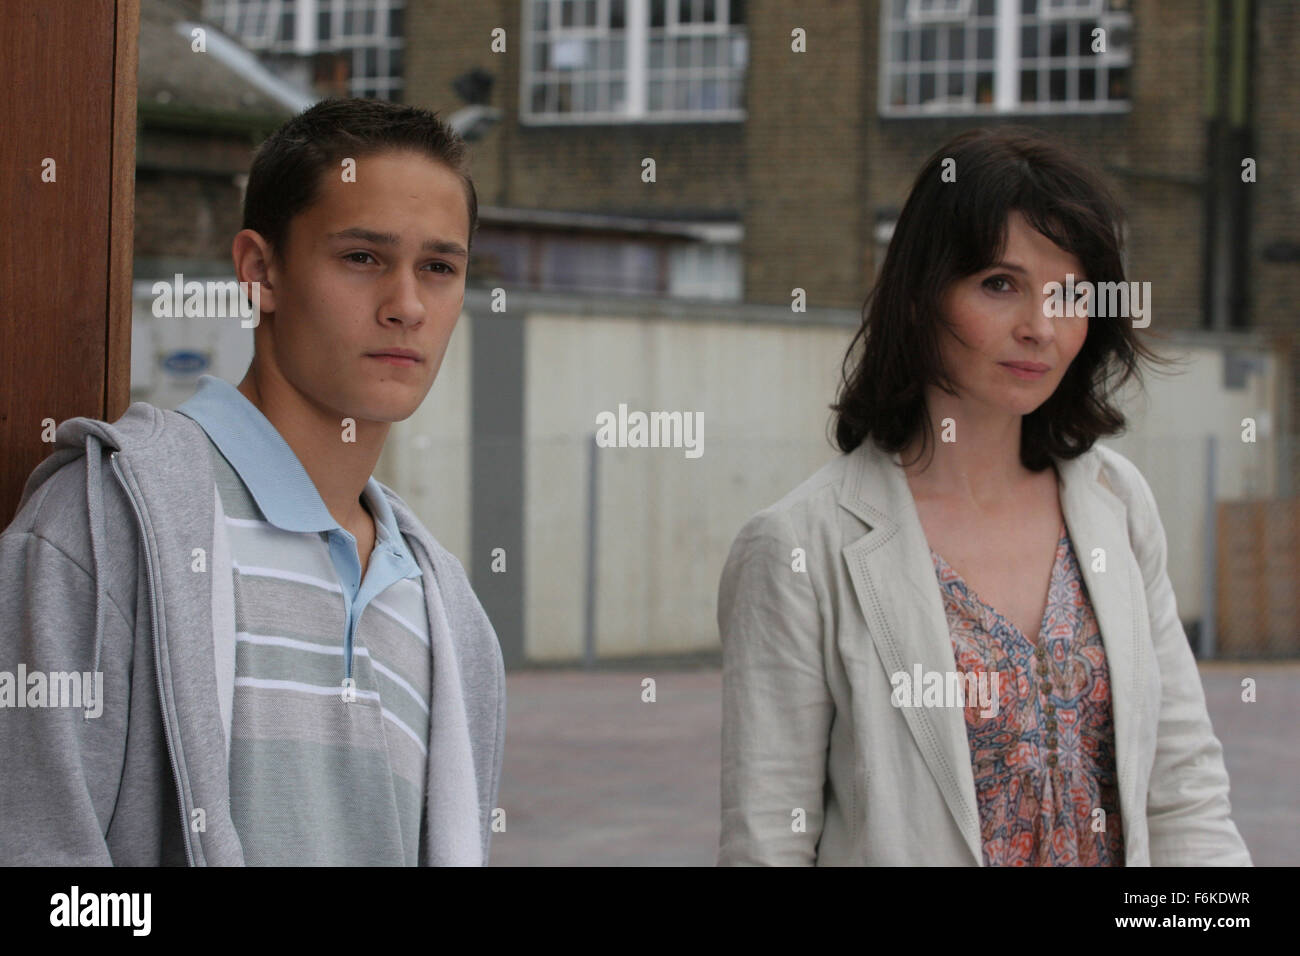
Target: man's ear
[{"x": 255, "y": 263}]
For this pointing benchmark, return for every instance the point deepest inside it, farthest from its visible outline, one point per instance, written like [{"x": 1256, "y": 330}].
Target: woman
[{"x": 975, "y": 658}]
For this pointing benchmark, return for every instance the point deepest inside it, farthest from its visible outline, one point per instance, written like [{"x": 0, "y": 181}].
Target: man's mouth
[{"x": 401, "y": 357}]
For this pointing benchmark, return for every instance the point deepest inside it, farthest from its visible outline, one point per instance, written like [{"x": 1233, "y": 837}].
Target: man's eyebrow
[{"x": 444, "y": 246}]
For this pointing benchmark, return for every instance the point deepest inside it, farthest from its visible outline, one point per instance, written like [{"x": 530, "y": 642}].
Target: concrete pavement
[{"x": 594, "y": 776}]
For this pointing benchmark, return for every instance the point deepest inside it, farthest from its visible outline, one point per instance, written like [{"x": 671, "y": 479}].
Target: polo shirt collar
[{"x": 272, "y": 472}]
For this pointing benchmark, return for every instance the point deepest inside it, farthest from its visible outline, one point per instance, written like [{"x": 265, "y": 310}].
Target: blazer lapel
[
  {"x": 1097, "y": 521},
  {"x": 897, "y": 590}
]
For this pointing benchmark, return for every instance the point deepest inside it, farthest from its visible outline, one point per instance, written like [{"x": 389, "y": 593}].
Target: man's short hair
[{"x": 288, "y": 167}]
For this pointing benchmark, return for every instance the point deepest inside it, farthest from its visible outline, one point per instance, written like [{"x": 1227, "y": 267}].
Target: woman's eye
[{"x": 994, "y": 279}]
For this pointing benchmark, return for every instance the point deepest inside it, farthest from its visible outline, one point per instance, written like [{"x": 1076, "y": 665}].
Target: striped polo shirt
[{"x": 322, "y": 771}]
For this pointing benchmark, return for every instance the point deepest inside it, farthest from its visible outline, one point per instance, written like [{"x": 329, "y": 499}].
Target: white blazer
[{"x": 809, "y": 734}]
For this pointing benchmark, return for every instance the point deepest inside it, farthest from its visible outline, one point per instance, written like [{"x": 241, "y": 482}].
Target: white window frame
[
  {"x": 635, "y": 73},
  {"x": 229, "y": 15},
  {"x": 1070, "y": 9},
  {"x": 706, "y": 270},
  {"x": 937, "y": 11},
  {"x": 1006, "y": 66}
]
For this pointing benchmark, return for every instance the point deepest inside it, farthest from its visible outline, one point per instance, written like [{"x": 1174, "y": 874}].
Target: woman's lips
[{"x": 1024, "y": 372}]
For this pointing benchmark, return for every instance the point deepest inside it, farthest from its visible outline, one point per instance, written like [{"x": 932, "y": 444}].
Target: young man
[{"x": 293, "y": 670}]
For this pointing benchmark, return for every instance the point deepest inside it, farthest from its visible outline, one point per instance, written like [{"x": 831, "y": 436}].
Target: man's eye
[
  {"x": 351, "y": 256},
  {"x": 450, "y": 270}
]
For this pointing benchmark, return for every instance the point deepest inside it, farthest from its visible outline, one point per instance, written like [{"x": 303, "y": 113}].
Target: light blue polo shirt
[{"x": 316, "y": 778}]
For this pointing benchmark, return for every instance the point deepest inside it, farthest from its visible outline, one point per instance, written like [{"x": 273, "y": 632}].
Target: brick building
[{"x": 785, "y": 137}]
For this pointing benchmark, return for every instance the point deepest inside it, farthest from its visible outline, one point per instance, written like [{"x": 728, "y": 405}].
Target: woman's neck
[{"x": 968, "y": 460}]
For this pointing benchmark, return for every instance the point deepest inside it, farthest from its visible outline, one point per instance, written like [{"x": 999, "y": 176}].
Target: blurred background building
[{"x": 784, "y": 139}]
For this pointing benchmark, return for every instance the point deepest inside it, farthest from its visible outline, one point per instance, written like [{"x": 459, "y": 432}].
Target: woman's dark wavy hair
[{"x": 950, "y": 230}]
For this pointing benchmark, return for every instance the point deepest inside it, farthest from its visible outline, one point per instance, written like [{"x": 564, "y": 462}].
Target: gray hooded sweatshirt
[{"x": 100, "y": 571}]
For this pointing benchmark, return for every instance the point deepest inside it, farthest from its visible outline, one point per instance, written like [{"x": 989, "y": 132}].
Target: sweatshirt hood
[{"x": 93, "y": 439}]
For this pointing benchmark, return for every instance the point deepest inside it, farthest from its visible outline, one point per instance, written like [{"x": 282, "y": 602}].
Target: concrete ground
[{"x": 595, "y": 777}]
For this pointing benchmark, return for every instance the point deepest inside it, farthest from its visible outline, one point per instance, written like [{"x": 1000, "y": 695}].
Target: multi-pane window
[
  {"x": 621, "y": 60},
  {"x": 1003, "y": 56},
  {"x": 1058, "y": 64},
  {"x": 255, "y": 22},
  {"x": 367, "y": 34},
  {"x": 556, "y": 262}
]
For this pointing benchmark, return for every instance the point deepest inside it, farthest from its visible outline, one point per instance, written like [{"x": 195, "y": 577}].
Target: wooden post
[{"x": 67, "y": 188}]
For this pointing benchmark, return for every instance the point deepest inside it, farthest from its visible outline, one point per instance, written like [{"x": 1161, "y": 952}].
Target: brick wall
[
  {"x": 187, "y": 202},
  {"x": 806, "y": 221},
  {"x": 592, "y": 167}
]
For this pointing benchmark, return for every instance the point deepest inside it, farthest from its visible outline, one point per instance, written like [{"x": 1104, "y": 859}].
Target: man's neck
[{"x": 339, "y": 469}]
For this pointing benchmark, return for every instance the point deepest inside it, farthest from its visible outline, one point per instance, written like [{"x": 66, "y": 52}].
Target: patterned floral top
[{"x": 1046, "y": 760}]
